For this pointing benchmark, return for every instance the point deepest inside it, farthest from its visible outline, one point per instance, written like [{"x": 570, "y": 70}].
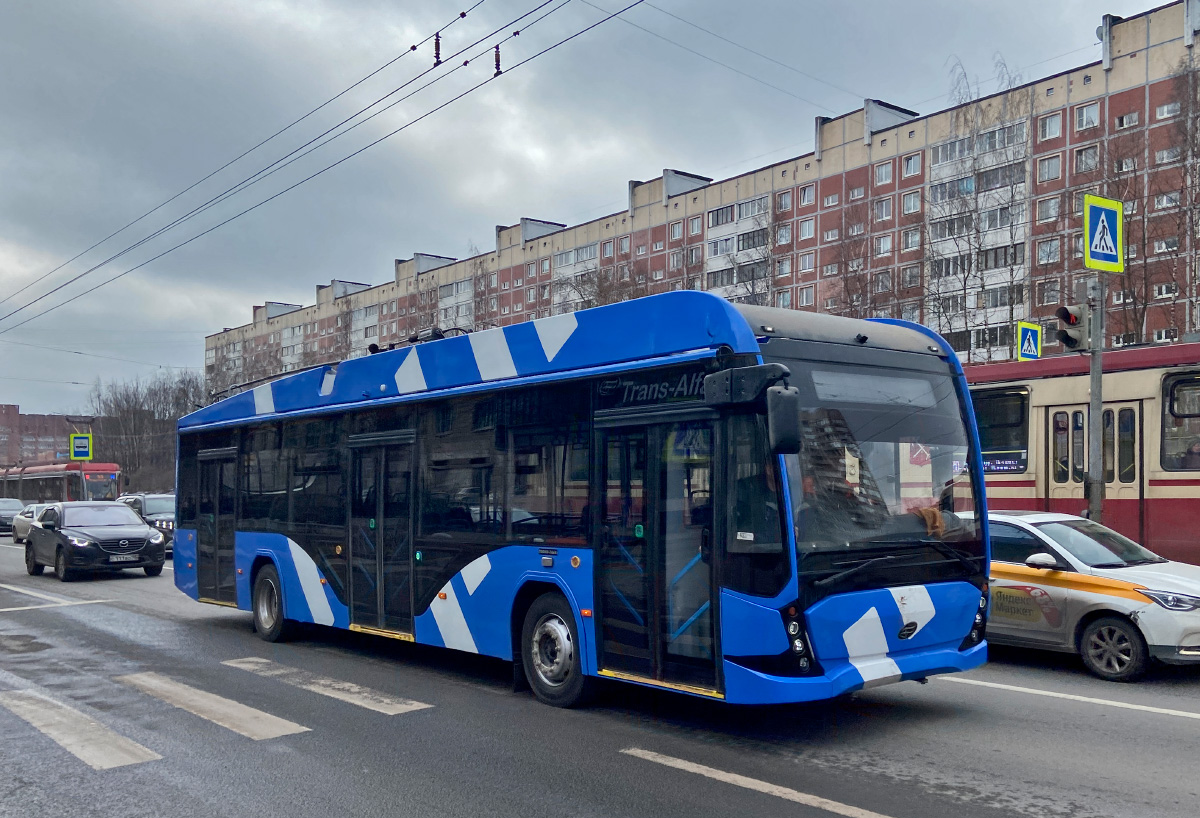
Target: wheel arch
[
  {"x": 1101, "y": 613},
  {"x": 529, "y": 591},
  {"x": 261, "y": 560}
]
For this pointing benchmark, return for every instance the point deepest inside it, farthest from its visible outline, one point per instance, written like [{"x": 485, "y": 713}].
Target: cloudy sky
[{"x": 108, "y": 108}]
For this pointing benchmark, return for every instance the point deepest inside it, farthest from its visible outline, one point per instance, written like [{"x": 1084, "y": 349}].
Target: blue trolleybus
[{"x": 742, "y": 503}]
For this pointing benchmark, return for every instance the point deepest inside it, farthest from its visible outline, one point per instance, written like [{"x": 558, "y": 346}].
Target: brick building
[
  {"x": 967, "y": 220},
  {"x": 27, "y": 439}
]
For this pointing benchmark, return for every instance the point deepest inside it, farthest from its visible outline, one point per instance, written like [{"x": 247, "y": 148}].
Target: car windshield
[
  {"x": 1097, "y": 546},
  {"x": 115, "y": 514},
  {"x": 883, "y": 460},
  {"x": 159, "y": 505},
  {"x": 10, "y": 505}
]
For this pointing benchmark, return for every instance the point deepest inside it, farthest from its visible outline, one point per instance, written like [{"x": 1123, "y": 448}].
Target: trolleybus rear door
[
  {"x": 380, "y": 537},
  {"x": 215, "y": 575},
  {"x": 655, "y": 553}
]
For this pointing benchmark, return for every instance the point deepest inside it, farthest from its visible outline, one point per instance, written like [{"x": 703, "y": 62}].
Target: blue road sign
[
  {"x": 1029, "y": 341},
  {"x": 81, "y": 447}
]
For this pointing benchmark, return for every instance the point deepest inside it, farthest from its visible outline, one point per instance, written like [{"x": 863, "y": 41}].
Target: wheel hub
[
  {"x": 267, "y": 604},
  {"x": 552, "y": 650},
  {"x": 1110, "y": 649}
]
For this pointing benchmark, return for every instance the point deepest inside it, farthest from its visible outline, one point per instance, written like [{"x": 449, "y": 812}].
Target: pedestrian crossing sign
[
  {"x": 1029, "y": 337},
  {"x": 1104, "y": 241}
]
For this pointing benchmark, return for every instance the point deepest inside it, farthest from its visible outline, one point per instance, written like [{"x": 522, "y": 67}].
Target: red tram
[{"x": 57, "y": 482}]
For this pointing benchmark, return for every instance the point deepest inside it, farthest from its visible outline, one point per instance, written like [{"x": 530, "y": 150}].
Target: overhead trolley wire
[
  {"x": 271, "y": 168},
  {"x": 461, "y": 15},
  {"x": 368, "y": 146}
]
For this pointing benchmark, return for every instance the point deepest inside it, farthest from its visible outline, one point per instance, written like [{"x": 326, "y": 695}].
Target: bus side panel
[
  {"x": 184, "y": 562},
  {"x": 472, "y": 610},
  {"x": 749, "y": 628},
  {"x": 307, "y": 596}
]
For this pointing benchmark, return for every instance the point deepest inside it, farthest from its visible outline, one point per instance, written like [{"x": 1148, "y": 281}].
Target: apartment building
[{"x": 967, "y": 220}]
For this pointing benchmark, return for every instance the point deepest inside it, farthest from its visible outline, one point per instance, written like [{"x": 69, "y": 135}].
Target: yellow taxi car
[{"x": 1064, "y": 583}]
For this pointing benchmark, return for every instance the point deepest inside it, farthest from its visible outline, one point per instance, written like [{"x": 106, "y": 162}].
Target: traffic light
[{"x": 1074, "y": 327}]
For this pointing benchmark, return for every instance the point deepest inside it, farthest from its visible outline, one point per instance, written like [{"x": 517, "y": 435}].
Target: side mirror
[
  {"x": 783, "y": 419},
  {"x": 1042, "y": 560},
  {"x": 49, "y": 525}
]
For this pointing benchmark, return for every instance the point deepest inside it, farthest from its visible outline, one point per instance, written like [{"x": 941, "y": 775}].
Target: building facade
[
  {"x": 29, "y": 439},
  {"x": 966, "y": 220}
]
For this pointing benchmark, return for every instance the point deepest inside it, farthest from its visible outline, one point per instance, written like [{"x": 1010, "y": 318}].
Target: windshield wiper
[
  {"x": 821, "y": 583},
  {"x": 937, "y": 545},
  {"x": 1145, "y": 561}
]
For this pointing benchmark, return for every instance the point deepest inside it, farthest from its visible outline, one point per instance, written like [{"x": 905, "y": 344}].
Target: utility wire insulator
[
  {"x": 498, "y": 71},
  {"x": 437, "y": 49}
]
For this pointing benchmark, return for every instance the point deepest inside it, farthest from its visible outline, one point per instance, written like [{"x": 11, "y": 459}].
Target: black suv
[
  {"x": 156, "y": 509},
  {"x": 92, "y": 536}
]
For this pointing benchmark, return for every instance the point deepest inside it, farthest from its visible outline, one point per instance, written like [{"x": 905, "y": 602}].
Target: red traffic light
[{"x": 1068, "y": 316}]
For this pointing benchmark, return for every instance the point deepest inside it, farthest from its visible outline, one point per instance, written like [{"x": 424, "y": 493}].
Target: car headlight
[
  {"x": 82, "y": 542},
  {"x": 156, "y": 538},
  {"x": 1173, "y": 601}
]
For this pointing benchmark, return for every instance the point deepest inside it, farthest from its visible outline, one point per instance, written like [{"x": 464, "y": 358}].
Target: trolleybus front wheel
[
  {"x": 269, "y": 623},
  {"x": 550, "y": 653}
]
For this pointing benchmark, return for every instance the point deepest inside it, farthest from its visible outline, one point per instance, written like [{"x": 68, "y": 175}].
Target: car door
[
  {"x": 44, "y": 541},
  {"x": 1028, "y": 605}
]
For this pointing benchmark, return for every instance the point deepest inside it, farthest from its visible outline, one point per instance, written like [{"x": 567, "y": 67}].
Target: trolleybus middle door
[{"x": 380, "y": 538}]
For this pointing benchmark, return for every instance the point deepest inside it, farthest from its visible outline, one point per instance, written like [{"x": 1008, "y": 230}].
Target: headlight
[
  {"x": 156, "y": 537},
  {"x": 82, "y": 542},
  {"x": 1172, "y": 601}
]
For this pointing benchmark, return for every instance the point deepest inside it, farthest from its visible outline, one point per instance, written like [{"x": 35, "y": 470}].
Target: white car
[
  {"x": 24, "y": 521},
  {"x": 1064, "y": 583}
]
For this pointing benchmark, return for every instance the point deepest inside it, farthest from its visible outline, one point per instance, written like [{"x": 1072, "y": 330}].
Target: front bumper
[
  {"x": 1173, "y": 636},
  {"x": 93, "y": 558}
]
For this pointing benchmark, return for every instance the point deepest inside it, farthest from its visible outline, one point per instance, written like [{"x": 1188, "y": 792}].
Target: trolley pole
[{"x": 1095, "y": 476}]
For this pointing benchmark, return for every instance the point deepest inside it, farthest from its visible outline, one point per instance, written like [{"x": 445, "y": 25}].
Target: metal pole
[{"x": 1095, "y": 478}]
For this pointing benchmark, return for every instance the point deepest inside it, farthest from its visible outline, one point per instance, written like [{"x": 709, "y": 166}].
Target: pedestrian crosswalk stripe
[
  {"x": 76, "y": 732},
  {"x": 227, "y": 713},
  {"x": 333, "y": 688}
]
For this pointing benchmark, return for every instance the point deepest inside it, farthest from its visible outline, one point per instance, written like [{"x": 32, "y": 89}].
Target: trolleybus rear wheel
[{"x": 551, "y": 655}]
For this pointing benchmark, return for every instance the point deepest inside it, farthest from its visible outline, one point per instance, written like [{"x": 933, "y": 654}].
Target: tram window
[
  {"x": 1181, "y": 423},
  {"x": 1078, "y": 467},
  {"x": 1126, "y": 442},
  {"x": 1062, "y": 466},
  {"x": 1003, "y": 419},
  {"x": 1109, "y": 445}
]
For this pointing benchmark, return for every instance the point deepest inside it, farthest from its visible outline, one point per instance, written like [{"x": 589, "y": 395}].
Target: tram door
[
  {"x": 658, "y": 616},
  {"x": 380, "y": 538},
  {"x": 1067, "y": 448},
  {"x": 217, "y": 517}
]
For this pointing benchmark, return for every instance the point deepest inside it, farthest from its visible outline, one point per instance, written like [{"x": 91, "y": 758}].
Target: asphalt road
[{"x": 125, "y": 670}]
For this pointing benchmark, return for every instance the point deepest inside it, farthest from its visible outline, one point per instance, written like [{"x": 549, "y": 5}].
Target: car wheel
[
  {"x": 153, "y": 570},
  {"x": 550, "y": 652},
  {"x": 269, "y": 623},
  {"x": 61, "y": 570},
  {"x": 1113, "y": 649},
  {"x": 32, "y": 566}
]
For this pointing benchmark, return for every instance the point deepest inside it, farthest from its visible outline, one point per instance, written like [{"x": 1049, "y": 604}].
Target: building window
[
  {"x": 883, "y": 283},
  {"x": 997, "y": 138},
  {"x": 608, "y": 250},
  {"x": 1048, "y": 251},
  {"x": 1047, "y": 209},
  {"x": 1167, "y": 155},
  {"x": 1166, "y": 111},
  {"x": 1050, "y": 168},
  {"x": 806, "y": 229},
  {"x": 675, "y": 259},
  {"x": 910, "y": 239},
  {"x": 783, "y": 201},
  {"x": 1127, "y": 121},
  {"x": 752, "y": 240},
  {"x": 830, "y": 235},
  {"x": 883, "y": 173},
  {"x": 1166, "y": 245},
  {"x": 676, "y": 231},
  {"x": 883, "y": 209},
  {"x": 720, "y": 216},
  {"x": 910, "y": 312},
  {"x": 783, "y": 266},
  {"x": 831, "y": 303},
  {"x": 806, "y": 262},
  {"x": 856, "y": 229},
  {"x": 883, "y": 245},
  {"x": 1087, "y": 116},
  {"x": 1048, "y": 292},
  {"x": 912, "y": 202},
  {"x": 623, "y": 245},
  {"x": 658, "y": 246},
  {"x": 1123, "y": 297},
  {"x": 641, "y": 249},
  {"x": 994, "y": 258},
  {"x": 695, "y": 225},
  {"x": 949, "y": 151},
  {"x": 1168, "y": 290},
  {"x": 912, "y": 165},
  {"x": 1003, "y": 176},
  {"x": 1087, "y": 159},
  {"x": 831, "y": 200},
  {"x": 752, "y": 208},
  {"x": 783, "y": 299},
  {"x": 805, "y": 296},
  {"x": 1165, "y": 336},
  {"x": 546, "y": 261},
  {"x": 656, "y": 275},
  {"x": 856, "y": 193},
  {"x": 808, "y": 195},
  {"x": 1125, "y": 164},
  {"x": 1165, "y": 200},
  {"x": 720, "y": 247},
  {"x": 586, "y": 253},
  {"x": 695, "y": 255},
  {"x": 783, "y": 235},
  {"x": 910, "y": 276},
  {"x": 1050, "y": 127},
  {"x": 829, "y": 270}
]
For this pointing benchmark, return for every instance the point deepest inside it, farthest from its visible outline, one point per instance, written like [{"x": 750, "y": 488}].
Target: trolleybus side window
[
  {"x": 755, "y": 559},
  {"x": 1181, "y": 423},
  {"x": 1003, "y": 419},
  {"x": 1062, "y": 463}
]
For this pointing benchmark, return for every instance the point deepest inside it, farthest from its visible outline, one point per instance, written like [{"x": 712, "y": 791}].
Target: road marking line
[
  {"x": 785, "y": 793},
  {"x": 57, "y": 605},
  {"x": 1183, "y": 714},
  {"x": 18, "y": 547},
  {"x": 76, "y": 732},
  {"x": 335, "y": 689},
  {"x": 39, "y": 595},
  {"x": 239, "y": 718}
]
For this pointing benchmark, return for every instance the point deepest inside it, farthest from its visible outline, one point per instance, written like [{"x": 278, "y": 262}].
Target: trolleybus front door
[
  {"x": 655, "y": 552},
  {"x": 215, "y": 575},
  {"x": 380, "y": 538}
]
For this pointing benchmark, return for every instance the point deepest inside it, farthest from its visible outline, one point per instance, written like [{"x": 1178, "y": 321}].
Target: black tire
[
  {"x": 16, "y": 540},
  {"x": 550, "y": 653},
  {"x": 32, "y": 566},
  {"x": 267, "y": 605},
  {"x": 61, "y": 570},
  {"x": 1114, "y": 649},
  {"x": 153, "y": 570}
]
